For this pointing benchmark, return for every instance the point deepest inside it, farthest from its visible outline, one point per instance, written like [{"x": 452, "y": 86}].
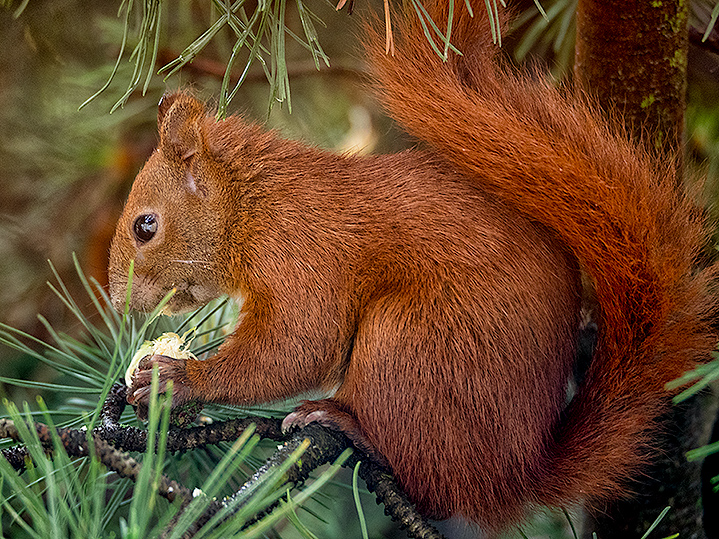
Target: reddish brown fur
[{"x": 423, "y": 285}]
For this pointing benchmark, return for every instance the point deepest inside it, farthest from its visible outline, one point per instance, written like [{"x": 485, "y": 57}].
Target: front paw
[{"x": 168, "y": 368}]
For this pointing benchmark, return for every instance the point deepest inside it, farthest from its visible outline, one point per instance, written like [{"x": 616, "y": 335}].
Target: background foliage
[{"x": 66, "y": 172}]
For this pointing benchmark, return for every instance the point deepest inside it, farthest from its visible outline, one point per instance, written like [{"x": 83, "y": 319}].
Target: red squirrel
[{"x": 436, "y": 291}]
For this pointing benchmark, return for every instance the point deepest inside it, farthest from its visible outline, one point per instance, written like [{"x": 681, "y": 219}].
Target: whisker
[{"x": 204, "y": 263}]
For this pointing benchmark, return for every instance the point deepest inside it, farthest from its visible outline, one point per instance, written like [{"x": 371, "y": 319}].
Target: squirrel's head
[{"x": 170, "y": 224}]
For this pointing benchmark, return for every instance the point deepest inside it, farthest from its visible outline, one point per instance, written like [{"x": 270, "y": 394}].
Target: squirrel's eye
[{"x": 145, "y": 227}]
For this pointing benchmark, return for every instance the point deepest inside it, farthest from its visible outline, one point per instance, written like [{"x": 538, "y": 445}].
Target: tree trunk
[{"x": 632, "y": 56}]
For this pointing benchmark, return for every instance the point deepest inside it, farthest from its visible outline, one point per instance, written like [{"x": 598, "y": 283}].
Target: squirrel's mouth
[
  {"x": 146, "y": 296},
  {"x": 149, "y": 291},
  {"x": 181, "y": 302}
]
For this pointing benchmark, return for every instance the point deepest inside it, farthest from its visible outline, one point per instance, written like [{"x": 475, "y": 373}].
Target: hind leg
[{"x": 332, "y": 414}]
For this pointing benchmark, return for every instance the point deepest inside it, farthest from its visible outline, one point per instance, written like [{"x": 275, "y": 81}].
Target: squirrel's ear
[{"x": 179, "y": 120}]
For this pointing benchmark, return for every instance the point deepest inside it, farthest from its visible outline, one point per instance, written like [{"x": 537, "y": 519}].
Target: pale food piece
[
  {"x": 168, "y": 344},
  {"x": 174, "y": 346}
]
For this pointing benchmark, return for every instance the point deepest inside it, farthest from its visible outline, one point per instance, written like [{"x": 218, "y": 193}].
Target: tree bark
[{"x": 632, "y": 56}]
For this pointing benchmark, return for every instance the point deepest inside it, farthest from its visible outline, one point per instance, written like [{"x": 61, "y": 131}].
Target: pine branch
[{"x": 318, "y": 446}]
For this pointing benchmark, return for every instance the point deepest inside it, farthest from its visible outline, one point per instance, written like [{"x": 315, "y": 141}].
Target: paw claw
[
  {"x": 302, "y": 419},
  {"x": 290, "y": 421},
  {"x": 140, "y": 395},
  {"x": 319, "y": 416}
]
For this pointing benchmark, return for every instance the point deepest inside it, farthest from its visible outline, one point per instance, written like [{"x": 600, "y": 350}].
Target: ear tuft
[
  {"x": 164, "y": 105},
  {"x": 179, "y": 119}
]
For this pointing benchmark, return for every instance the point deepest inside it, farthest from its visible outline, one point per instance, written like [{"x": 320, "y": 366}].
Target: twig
[
  {"x": 711, "y": 43},
  {"x": 178, "y": 439},
  {"x": 202, "y": 66},
  {"x": 75, "y": 443}
]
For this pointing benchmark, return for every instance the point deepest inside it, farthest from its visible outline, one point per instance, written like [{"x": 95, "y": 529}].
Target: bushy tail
[{"x": 547, "y": 153}]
